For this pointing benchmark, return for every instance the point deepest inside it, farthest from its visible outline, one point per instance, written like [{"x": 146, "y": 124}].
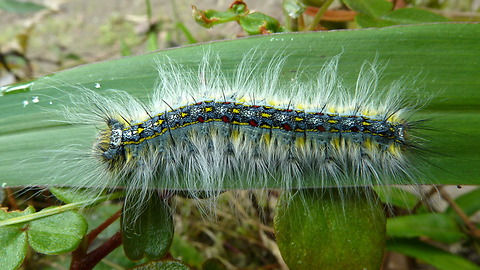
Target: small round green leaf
[
  {"x": 57, "y": 234},
  {"x": 13, "y": 247},
  {"x": 13, "y": 240}
]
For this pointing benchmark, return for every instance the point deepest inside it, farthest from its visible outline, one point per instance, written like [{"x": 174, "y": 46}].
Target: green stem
[
  {"x": 60, "y": 209},
  {"x": 319, "y": 15}
]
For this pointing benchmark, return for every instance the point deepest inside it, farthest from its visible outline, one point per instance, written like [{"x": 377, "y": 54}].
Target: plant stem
[
  {"x": 319, "y": 15},
  {"x": 473, "y": 231},
  {"x": 67, "y": 207}
]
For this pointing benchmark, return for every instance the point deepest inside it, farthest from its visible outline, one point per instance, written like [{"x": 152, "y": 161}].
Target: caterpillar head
[{"x": 109, "y": 145}]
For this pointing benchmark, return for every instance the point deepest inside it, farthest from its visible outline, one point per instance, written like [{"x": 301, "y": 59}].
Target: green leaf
[
  {"x": 209, "y": 18},
  {"x": 436, "y": 226},
  {"x": 412, "y": 16},
  {"x": 162, "y": 265},
  {"x": 13, "y": 240},
  {"x": 254, "y": 23},
  {"x": 468, "y": 202},
  {"x": 373, "y": 8},
  {"x": 318, "y": 229},
  {"x": 57, "y": 234},
  {"x": 399, "y": 16},
  {"x": 257, "y": 23},
  {"x": 74, "y": 195},
  {"x": 395, "y": 196},
  {"x": 438, "y": 258},
  {"x": 443, "y": 58},
  {"x": 148, "y": 233},
  {"x": 20, "y": 6},
  {"x": 367, "y": 21}
]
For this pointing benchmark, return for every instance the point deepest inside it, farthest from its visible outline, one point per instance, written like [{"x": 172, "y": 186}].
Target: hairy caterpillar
[{"x": 202, "y": 131}]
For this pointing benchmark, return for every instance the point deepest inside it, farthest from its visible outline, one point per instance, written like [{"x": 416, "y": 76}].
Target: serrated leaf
[
  {"x": 438, "y": 258},
  {"x": 318, "y": 229},
  {"x": 147, "y": 231},
  {"x": 60, "y": 233},
  {"x": 439, "y": 227}
]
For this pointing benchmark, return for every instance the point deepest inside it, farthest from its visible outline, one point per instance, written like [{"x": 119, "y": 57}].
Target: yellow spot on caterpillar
[
  {"x": 266, "y": 126},
  {"x": 332, "y": 121},
  {"x": 240, "y": 123},
  {"x": 140, "y": 130},
  {"x": 243, "y": 99},
  {"x": 267, "y": 138},
  {"x": 368, "y": 143},
  {"x": 160, "y": 121},
  {"x": 266, "y": 115},
  {"x": 393, "y": 118},
  {"x": 298, "y": 119},
  {"x": 366, "y": 124},
  {"x": 272, "y": 102},
  {"x": 208, "y": 109},
  {"x": 184, "y": 114},
  {"x": 235, "y": 110},
  {"x": 394, "y": 150},
  {"x": 300, "y": 142},
  {"x": 335, "y": 142},
  {"x": 128, "y": 155},
  {"x": 235, "y": 134}
]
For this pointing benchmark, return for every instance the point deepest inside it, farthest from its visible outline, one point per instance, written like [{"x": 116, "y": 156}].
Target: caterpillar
[{"x": 204, "y": 131}]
